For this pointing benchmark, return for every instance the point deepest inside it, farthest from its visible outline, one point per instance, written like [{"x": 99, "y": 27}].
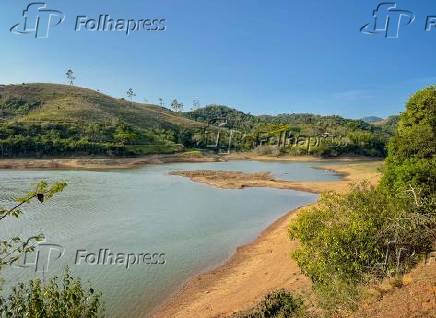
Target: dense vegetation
[
  {"x": 298, "y": 134},
  {"x": 411, "y": 161},
  {"x": 58, "y": 139},
  {"x": 58, "y": 298},
  {"x": 59, "y": 120},
  {"x": 375, "y": 232}
]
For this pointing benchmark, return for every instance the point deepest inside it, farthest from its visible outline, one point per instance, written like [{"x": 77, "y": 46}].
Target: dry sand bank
[{"x": 352, "y": 172}]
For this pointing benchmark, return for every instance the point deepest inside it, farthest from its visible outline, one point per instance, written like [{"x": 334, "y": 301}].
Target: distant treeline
[{"x": 295, "y": 134}]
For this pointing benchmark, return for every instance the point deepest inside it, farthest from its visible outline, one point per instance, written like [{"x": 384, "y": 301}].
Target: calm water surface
[{"x": 147, "y": 210}]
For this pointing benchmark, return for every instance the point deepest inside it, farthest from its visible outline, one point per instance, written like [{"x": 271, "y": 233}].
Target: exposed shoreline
[
  {"x": 104, "y": 163},
  {"x": 88, "y": 163},
  {"x": 204, "y": 283},
  {"x": 259, "y": 266}
]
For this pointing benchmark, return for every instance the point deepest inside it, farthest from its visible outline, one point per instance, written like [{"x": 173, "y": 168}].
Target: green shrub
[
  {"x": 278, "y": 304},
  {"x": 350, "y": 239},
  {"x": 59, "y": 298}
]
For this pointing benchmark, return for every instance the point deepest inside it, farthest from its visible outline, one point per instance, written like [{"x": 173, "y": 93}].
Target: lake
[{"x": 192, "y": 227}]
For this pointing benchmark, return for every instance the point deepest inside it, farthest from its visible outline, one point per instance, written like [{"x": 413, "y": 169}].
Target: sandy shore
[
  {"x": 90, "y": 163},
  {"x": 255, "y": 156},
  {"x": 102, "y": 163},
  {"x": 261, "y": 266}
]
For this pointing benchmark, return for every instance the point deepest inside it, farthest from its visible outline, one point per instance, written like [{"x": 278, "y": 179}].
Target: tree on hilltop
[{"x": 70, "y": 76}]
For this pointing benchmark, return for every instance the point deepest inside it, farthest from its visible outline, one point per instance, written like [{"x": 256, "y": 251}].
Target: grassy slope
[{"x": 69, "y": 104}]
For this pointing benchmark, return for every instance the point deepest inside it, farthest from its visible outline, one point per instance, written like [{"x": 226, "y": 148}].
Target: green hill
[
  {"x": 41, "y": 103},
  {"x": 49, "y": 119}
]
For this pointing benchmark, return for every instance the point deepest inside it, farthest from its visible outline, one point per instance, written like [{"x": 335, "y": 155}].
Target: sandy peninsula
[
  {"x": 261, "y": 266},
  {"x": 351, "y": 173}
]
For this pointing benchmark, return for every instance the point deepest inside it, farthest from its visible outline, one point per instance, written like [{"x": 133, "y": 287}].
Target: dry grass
[{"x": 62, "y": 103}]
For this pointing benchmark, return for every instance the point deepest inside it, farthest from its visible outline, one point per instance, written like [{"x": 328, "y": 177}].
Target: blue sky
[{"x": 260, "y": 56}]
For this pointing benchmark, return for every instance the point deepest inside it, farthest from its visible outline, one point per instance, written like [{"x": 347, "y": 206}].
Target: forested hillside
[
  {"x": 302, "y": 133},
  {"x": 58, "y": 120}
]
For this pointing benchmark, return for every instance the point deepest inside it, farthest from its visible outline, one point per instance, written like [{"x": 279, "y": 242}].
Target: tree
[
  {"x": 124, "y": 134},
  {"x": 131, "y": 94},
  {"x": 195, "y": 104},
  {"x": 176, "y": 106},
  {"x": 411, "y": 160},
  {"x": 161, "y": 102},
  {"x": 70, "y": 76}
]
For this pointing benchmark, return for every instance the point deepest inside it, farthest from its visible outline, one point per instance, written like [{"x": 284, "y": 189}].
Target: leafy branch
[{"x": 12, "y": 249}]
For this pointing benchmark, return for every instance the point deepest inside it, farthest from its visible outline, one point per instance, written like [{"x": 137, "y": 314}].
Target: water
[{"x": 146, "y": 210}]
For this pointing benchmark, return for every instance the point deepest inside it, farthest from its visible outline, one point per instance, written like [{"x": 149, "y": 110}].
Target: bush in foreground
[
  {"x": 65, "y": 298},
  {"x": 278, "y": 304},
  {"x": 359, "y": 237}
]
